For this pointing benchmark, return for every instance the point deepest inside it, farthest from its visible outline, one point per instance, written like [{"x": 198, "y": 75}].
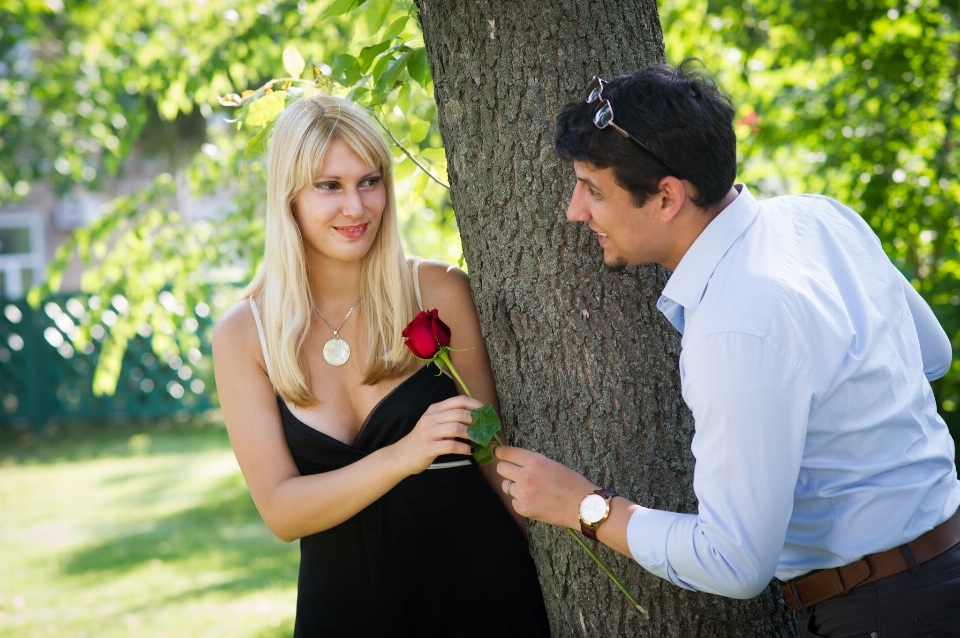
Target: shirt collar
[{"x": 689, "y": 281}]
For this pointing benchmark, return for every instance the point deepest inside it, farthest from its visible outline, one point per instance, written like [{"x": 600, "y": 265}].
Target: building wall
[{"x": 45, "y": 220}]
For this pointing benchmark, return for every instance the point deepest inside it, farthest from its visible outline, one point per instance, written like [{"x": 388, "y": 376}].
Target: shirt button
[{"x": 873, "y": 634}]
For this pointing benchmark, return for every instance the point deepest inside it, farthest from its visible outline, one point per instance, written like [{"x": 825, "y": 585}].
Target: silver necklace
[{"x": 336, "y": 351}]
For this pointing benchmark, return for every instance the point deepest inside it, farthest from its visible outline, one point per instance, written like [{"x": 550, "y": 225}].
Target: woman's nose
[{"x": 352, "y": 203}]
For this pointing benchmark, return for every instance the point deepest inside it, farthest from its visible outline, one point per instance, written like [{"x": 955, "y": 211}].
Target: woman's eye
[
  {"x": 370, "y": 182},
  {"x": 326, "y": 186}
]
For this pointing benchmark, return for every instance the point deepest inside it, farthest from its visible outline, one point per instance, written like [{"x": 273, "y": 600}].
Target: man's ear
[{"x": 671, "y": 197}]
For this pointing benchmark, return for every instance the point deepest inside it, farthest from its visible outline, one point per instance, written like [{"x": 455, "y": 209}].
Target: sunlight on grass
[{"x": 116, "y": 532}]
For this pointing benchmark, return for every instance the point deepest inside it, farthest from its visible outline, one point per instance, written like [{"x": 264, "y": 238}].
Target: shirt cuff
[{"x": 647, "y": 532}]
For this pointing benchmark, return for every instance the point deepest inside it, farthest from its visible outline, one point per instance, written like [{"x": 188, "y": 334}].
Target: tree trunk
[{"x": 586, "y": 367}]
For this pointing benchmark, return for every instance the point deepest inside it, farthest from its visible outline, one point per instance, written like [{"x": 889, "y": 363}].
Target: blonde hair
[{"x": 301, "y": 136}]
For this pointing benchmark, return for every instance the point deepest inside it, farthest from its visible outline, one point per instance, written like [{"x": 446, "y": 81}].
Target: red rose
[
  {"x": 429, "y": 340},
  {"x": 426, "y": 334}
]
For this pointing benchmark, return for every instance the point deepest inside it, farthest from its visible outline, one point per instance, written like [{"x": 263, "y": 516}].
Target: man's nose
[{"x": 576, "y": 211}]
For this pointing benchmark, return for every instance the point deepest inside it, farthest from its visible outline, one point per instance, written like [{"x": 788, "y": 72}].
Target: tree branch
[{"x": 407, "y": 153}]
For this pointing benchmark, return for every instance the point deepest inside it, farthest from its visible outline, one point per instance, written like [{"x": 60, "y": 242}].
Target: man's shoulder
[
  {"x": 746, "y": 285},
  {"x": 791, "y": 278},
  {"x": 769, "y": 269}
]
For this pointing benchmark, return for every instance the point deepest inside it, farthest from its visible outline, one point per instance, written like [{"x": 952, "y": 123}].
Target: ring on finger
[{"x": 508, "y": 488}]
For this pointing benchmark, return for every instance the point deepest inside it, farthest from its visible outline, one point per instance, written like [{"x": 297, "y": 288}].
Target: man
[{"x": 806, "y": 360}]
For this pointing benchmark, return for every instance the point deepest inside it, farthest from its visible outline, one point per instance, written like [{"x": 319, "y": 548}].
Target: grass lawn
[{"x": 127, "y": 530}]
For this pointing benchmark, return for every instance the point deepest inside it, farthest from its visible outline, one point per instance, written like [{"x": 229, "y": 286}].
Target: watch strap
[{"x": 588, "y": 530}]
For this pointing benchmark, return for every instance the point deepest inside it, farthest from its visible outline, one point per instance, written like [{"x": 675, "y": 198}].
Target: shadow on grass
[
  {"x": 87, "y": 440},
  {"x": 223, "y": 534}
]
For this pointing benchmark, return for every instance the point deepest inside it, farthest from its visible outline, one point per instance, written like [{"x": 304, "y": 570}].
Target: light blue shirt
[{"x": 806, "y": 359}]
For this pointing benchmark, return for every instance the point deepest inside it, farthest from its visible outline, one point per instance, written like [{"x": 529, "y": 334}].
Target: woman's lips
[{"x": 352, "y": 232}]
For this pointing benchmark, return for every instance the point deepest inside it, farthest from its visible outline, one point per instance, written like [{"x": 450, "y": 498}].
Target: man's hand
[{"x": 542, "y": 489}]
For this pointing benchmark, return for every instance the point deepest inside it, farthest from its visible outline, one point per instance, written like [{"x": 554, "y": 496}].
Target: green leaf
[
  {"x": 339, "y": 7},
  {"x": 483, "y": 455},
  {"x": 388, "y": 75},
  {"x": 395, "y": 28},
  {"x": 265, "y": 109},
  {"x": 346, "y": 70},
  {"x": 485, "y": 425},
  {"x": 419, "y": 130},
  {"x": 258, "y": 143},
  {"x": 403, "y": 98},
  {"x": 419, "y": 186},
  {"x": 380, "y": 67},
  {"x": 293, "y": 62},
  {"x": 376, "y": 13},
  {"x": 436, "y": 156},
  {"x": 403, "y": 169},
  {"x": 359, "y": 95},
  {"x": 368, "y": 54},
  {"x": 417, "y": 66}
]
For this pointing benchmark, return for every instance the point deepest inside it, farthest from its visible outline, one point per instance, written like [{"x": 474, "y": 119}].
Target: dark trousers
[{"x": 904, "y": 605}]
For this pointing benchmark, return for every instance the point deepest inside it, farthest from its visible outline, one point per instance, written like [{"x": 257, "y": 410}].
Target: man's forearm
[{"x": 613, "y": 531}]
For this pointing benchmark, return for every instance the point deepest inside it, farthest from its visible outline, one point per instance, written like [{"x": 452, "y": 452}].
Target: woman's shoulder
[
  {"x": 436, "y": 276},
  {"x": 236, "y": 326},
  {"x": 445, "y": 287},
  {"x": 437, "y": 273}
]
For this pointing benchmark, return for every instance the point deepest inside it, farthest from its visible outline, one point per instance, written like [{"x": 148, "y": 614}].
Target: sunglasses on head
[{"x": 603, "y": 116}]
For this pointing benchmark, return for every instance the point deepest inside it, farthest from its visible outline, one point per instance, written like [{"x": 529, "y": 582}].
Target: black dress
[{"x": 437, "y": 555}]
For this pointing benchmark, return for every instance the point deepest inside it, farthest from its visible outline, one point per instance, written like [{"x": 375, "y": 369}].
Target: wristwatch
[{"x": 594, "y": 509}]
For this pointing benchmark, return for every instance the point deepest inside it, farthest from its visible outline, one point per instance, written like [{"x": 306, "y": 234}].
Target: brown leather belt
[{"x": 816, "y": 587}]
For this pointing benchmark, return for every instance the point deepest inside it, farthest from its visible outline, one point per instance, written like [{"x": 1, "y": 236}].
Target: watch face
[{"x": 593, "y": 508}]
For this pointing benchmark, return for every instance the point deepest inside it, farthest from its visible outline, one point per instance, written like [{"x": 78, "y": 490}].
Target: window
[{"x": 21, "y": 253}]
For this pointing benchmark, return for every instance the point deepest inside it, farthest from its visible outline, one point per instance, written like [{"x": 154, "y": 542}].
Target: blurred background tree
[
  {"x": 88, "y": 88},
  {"x": 855, "y": 100}
]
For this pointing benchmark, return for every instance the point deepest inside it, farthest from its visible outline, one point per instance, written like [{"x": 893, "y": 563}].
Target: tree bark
[{"x": 586, "y": 367}]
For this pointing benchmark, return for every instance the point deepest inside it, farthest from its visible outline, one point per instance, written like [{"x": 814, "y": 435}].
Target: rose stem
[
  {"x": 443, "y": 356},
  {"x": 609, "y": 574}
]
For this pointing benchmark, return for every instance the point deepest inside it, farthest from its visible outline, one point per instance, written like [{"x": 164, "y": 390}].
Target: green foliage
[
  {"x": 82, "y": 86},
  {"x": 484, "y": 428},
  {"x": 857, "y": 101}
]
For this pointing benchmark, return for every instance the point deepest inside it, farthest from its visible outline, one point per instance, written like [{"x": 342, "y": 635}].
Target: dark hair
[{"x": 678, "y": 112}]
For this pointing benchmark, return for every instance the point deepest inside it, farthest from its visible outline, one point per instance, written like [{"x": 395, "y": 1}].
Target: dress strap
[
  {"x": 263, "y": 341},
  {"x": 416, "y": 281}
]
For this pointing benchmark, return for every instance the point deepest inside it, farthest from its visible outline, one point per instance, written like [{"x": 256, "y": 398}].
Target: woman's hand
[{"x": 435, "y": 434}]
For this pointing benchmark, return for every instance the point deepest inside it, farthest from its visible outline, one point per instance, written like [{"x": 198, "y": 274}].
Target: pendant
[{"x": 336, "y": 351}]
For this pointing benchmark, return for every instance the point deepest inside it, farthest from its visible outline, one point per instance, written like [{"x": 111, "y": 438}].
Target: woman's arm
[
  {"x": 448, "y": 290},
  {"x": 291, "y": 505}
]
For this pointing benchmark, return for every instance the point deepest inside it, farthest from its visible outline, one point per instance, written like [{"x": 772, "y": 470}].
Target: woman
[{"x": 347, "y": 441}]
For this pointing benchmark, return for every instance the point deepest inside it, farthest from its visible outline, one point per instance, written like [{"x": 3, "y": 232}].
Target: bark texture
[{"x": 586, "y": 367}]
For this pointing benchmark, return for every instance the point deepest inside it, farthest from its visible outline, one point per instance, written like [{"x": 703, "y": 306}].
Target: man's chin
[
  {"x": 615, "y": 263},
  {"x": 618, "y": 264}
]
